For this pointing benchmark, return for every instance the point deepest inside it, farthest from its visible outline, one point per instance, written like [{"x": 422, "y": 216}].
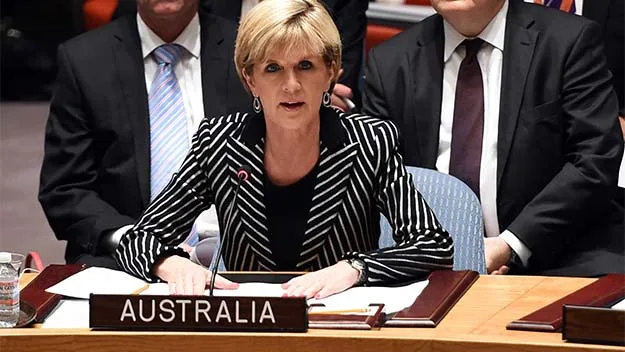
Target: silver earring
[
  {"x": 326, "y": 101},
  {"x": 257, "y": 106}
]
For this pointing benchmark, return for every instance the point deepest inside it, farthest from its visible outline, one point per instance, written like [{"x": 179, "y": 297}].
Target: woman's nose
[{"x": 291, "y": 83}]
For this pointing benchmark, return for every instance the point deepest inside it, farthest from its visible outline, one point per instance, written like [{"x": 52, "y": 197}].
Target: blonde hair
[{"x": 285, "y": 25}]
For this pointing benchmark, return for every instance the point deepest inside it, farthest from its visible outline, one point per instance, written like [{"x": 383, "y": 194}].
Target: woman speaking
[{"x": 319, "y": 178}]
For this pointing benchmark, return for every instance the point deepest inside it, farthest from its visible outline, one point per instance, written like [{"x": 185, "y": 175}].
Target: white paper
[
  {"x": 393, "y": 298},
  {"x": 249, "y": 289},
  {"x": 69, "y": 313},
  {"x": 253, "y": 289},
  {"x": 99, "y": 281},
  {"x": 620, "y": 305}
]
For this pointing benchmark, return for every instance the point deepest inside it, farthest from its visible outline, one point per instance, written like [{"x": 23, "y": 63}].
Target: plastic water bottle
[{"x": 9, "y": 292}]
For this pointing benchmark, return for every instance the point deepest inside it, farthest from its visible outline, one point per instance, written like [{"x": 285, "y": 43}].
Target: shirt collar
[
  {"x": 493, "y": 34},
  {"x": 331, "y": 132},
  {"x": 189, "y": 38}
]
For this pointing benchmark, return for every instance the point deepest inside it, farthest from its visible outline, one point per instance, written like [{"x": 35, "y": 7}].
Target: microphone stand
[{"x": 242, "y": 174}]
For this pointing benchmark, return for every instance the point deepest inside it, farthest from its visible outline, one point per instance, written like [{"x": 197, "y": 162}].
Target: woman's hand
[
  {"x": 323, "y": 283},
  {"x": 187, "y": 278}
]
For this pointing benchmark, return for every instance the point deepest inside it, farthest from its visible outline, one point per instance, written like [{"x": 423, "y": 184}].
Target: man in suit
[
  {"x": 525, "y": 115},
  {"x": 98, "y": 169},
  {"x": 609, "y": 14}
]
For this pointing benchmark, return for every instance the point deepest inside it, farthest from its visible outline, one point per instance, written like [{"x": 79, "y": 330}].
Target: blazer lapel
[
  {"x": 248, "y": 240},
  {"x": 519, "y": 44},
  {"x": 334, "y": 170},
  {"x": 131, "y": 72},
  {"x": 426, "y": 62},
  {"x": 215, "y": 66}
]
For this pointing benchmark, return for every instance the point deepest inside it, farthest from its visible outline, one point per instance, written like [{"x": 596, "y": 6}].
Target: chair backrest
[
  {"x": 377, "y": 33},
  {"x": 457, "y": 209},
  {"x": 98, "y": 12}
]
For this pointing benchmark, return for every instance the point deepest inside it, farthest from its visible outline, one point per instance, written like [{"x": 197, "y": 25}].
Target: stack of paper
[
  {"x": 393, "y": 298},
  {"x": 98, "y": 280}
]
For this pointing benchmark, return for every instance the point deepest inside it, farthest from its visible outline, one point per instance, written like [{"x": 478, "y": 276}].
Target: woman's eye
[
  {"x": 305, "y": 65},
  {"x": 272, "y": 68}
]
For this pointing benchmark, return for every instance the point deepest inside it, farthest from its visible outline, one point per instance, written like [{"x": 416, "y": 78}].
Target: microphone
[{"x": 242, "y": 174}]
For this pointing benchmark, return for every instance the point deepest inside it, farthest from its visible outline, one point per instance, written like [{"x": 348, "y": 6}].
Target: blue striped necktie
[{"x": 169, "y": 139}]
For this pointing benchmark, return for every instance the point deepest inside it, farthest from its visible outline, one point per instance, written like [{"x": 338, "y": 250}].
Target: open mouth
[{"x": 292, "y": 105}]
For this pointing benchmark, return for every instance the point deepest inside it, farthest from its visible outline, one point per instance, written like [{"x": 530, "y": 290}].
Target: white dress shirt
[
  {"x": 490, "y": 58},
  {"x": 188, "y": 71},
  {"x": 578, "y": 5}
]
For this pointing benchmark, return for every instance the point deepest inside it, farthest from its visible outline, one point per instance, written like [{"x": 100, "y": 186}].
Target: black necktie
[{"x": 468, "y": 125}]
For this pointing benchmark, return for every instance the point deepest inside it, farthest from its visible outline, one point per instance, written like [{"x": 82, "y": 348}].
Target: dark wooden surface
[
  {"x": 604, "y": 291},
  {"x": 593, "y": 325},
  {"x": 34, "y": 293},
  {"x": 444, "y": 289}
]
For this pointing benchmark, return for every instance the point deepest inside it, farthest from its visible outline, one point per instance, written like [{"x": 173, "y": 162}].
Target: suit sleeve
[
  {"x": 68, "y": 189},
  {"x": 615, "y": 49},
  {"x": 593, "y": 148},
  {"x": 422, "y": 244},
  {"x": 351, "y": 19},
  {"x": 169, "y": 218},
  {"x": 374, "y": 100}
]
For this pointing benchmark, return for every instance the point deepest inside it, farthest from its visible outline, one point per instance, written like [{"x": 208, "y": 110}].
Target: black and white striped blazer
[{"x": 360, "y": 175}]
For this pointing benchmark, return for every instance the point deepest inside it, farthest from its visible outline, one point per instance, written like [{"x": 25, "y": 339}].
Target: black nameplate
[{"x": 135, "y": 312}]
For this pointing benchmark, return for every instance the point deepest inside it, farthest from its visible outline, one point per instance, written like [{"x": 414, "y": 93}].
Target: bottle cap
[{"x": 5, "y": 257}]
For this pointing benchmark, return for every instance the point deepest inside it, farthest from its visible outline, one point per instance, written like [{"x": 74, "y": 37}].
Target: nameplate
[{"x": 194, "y": 313}]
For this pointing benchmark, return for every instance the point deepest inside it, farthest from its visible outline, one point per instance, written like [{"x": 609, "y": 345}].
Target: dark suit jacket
[
  {"x": 96, "y": 169},
  {"x": 359, "y": 175},
  {"x": 351, "y": 20},
  {"x": 559, "y": 144},
  {"x": 610, "y": 15}
]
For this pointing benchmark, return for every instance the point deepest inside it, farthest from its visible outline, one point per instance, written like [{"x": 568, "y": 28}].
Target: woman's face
[{"x": 290, "y": 86}]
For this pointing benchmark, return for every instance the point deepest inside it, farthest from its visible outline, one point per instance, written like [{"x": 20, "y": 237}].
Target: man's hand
[
  {"x": 498, "y": 254},
  {"x": 323, "y": 283},
  {"x": 621, "y": 119},
  {"x": 341, "y": 94},
  {"x": 187, "y": 278}
]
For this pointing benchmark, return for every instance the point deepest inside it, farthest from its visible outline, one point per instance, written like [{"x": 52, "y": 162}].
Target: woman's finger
[
  {"x": 199, "y": 283},
  {"x": 179, "y": 283},
  {"x": 172, "y": 287},
  {"x": 313, "y": 290},
  {"x": 298, "y": 291},
  {"x": 324, "y": 292},
  {"x": 223, "y": 283},
  {"x": 188, "y": 283}
]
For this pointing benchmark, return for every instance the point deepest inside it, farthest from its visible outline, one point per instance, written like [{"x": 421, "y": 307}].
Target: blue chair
[{"x": 457, "y": 209}]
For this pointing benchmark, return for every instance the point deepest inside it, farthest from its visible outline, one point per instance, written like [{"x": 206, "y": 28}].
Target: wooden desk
[{"x": 476, "y": 323}]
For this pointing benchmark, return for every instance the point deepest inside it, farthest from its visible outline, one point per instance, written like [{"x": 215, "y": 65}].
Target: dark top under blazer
[
  {"x": 559, "y": 144},
  {"x": 360, "y": 175},
  {"x": 96, "y": 169}
]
